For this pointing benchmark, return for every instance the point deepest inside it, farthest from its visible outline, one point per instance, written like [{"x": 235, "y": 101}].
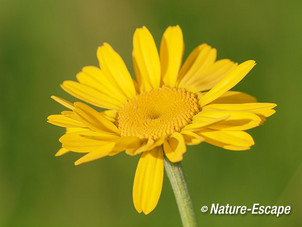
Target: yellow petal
[
  {"x": 196, "y": 65},
  {"x": 77, "y": 143},
  {"x": 73, "y": 130},
  {"x": 102, "y": 152},
  {"x": 96, "y": 135},
  {"x": 237, "y": 120},
  {"x": 191, "y": 138},
  {"x": 211, "y": 76},
  {"x": 114, "y": 67},
  {"x": 175, "y": 147},
  {"x": 227, "y": 82},
  {"x": 71, "y": 115},
  {"x": 264, "y": 109},
  {"x": 146, "y": 145},
  {"x": 110, "y": 115},
  {"x": 148, "y": 180},
  {"x": 94, "y": 119},
  {"x": 64, "y": 121},
  {"x": 234, "y": 97},
  {"x": 62, "y": 151},
  {"x": 63, "y": 102},
  {"x": 171, "y": 52},
  {"x": 90, "y": 95},
  {"x": 235, "y": 148},
  {"x": 127, "y": 142},
  {"x": 203, "y": 120},
  {"x": 225, "y": 138},
  {"x": 95, "y": 78},
  {"x": 146, "y": 60}
]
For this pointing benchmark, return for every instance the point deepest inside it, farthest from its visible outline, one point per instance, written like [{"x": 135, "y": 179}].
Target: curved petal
[
  {"x": 114, "y": 67},
  {"x": 148, "y": 180},
  {"x": 227, "y": 82},
  {"x": 146, "y": 60},
  {"x": 175, "y": 147},
  {"x": 171, "y": 52},
  {"x": 228, "y": 139},
  {"x": 196, "y": 65}
]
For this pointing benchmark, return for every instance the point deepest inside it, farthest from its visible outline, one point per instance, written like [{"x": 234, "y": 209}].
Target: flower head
[{"x": 169, "y": 106}]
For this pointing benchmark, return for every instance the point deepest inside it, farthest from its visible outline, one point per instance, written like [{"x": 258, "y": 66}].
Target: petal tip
[
  {"x": 58, "y": 154},
  {"x": 63, "y": 85},
  {"x": 146, "y": 212},
  {"x": 250, "y": 63},
  {"x": 137, "y": 209},
  {"x": 78, "y": 162}
]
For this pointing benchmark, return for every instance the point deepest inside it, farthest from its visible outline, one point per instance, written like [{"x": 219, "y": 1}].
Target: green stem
[{"x": 177, "y": 179}]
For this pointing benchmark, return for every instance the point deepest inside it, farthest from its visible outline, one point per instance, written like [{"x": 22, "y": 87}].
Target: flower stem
[{"x": 177, "y": 179}]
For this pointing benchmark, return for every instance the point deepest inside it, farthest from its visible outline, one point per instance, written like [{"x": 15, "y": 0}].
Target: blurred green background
[{"x": 43, "y": 43}]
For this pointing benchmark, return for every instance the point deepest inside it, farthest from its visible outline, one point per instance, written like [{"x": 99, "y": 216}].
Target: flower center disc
[{"x": 157, "y": 113}]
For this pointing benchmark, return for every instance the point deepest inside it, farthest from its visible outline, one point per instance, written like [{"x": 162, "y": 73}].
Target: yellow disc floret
[{"x": 157, "y": 113}]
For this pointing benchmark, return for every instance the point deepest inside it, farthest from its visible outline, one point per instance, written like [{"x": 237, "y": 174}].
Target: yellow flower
[{"x": 169, "y": 106}]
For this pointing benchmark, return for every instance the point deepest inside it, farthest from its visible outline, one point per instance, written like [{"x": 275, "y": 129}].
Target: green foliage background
[{"x": 43, "y": 43}]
